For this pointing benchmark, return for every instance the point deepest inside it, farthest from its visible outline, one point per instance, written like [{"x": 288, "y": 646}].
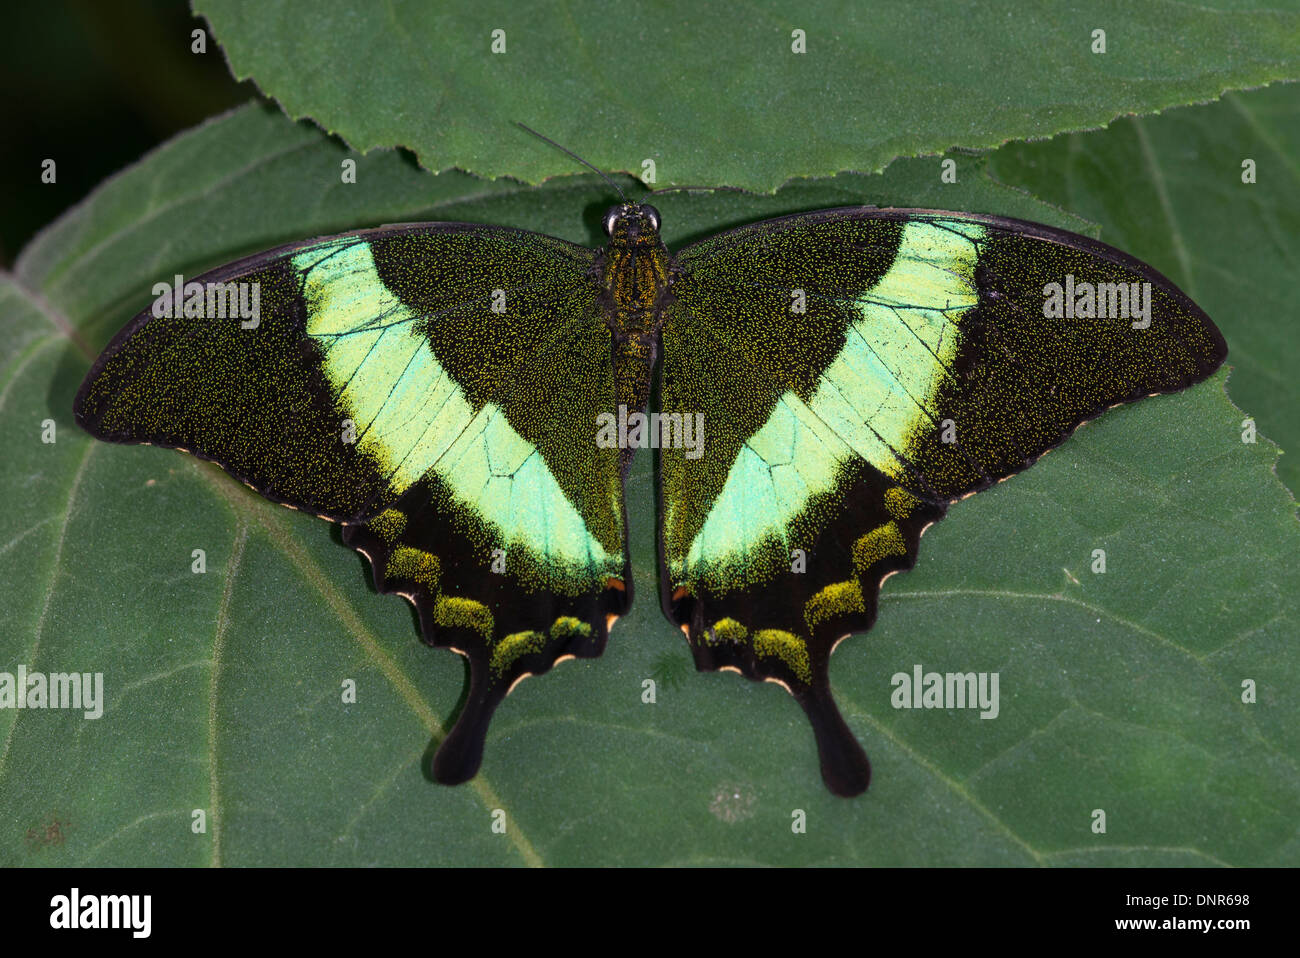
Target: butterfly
[{"x": 466, "y": 400}]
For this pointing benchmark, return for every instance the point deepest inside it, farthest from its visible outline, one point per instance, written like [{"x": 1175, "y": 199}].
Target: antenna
[{"x": 589, "y": 166}]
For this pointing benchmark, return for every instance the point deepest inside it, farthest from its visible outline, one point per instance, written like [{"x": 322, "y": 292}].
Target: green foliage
[
  {"x": 714, "y": 93},
  {"x": 1120, "y": 691}
]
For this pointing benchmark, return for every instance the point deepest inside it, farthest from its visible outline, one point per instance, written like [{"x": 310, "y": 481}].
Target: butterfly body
[
  {"x": 466, "y": 401},
  {"x": 634, "y": 284}
]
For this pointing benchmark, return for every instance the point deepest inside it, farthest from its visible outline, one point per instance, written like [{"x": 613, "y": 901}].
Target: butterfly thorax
[
  {"x": 633, "y": 271},
  {"x": 634, "y": 284}
]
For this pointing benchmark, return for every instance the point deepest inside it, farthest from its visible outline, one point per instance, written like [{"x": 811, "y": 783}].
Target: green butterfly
[{"x": 466, "y": 400}]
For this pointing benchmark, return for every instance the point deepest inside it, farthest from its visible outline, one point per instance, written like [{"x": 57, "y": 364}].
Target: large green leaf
[
  {"x": 1170, "y": 188},
  {"x": 1120, "y": 691},
  {"x": 713, "y": 93}
]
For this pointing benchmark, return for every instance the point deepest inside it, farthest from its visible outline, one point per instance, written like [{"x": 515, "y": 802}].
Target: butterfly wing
[
  {"x": 858, "y": 370},
  {"x": 436, "y": 389}
]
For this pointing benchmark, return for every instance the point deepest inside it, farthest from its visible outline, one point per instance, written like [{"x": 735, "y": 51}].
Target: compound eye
[
  {"x": 610, "y": 219},
  {"x": 652, "y": 215}
]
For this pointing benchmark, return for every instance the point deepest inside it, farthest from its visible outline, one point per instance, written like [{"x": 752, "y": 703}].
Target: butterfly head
[{"x": 632, "y": 224}]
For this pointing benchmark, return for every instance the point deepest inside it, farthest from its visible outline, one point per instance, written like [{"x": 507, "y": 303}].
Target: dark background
[{"x": 94, "y": 86}]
